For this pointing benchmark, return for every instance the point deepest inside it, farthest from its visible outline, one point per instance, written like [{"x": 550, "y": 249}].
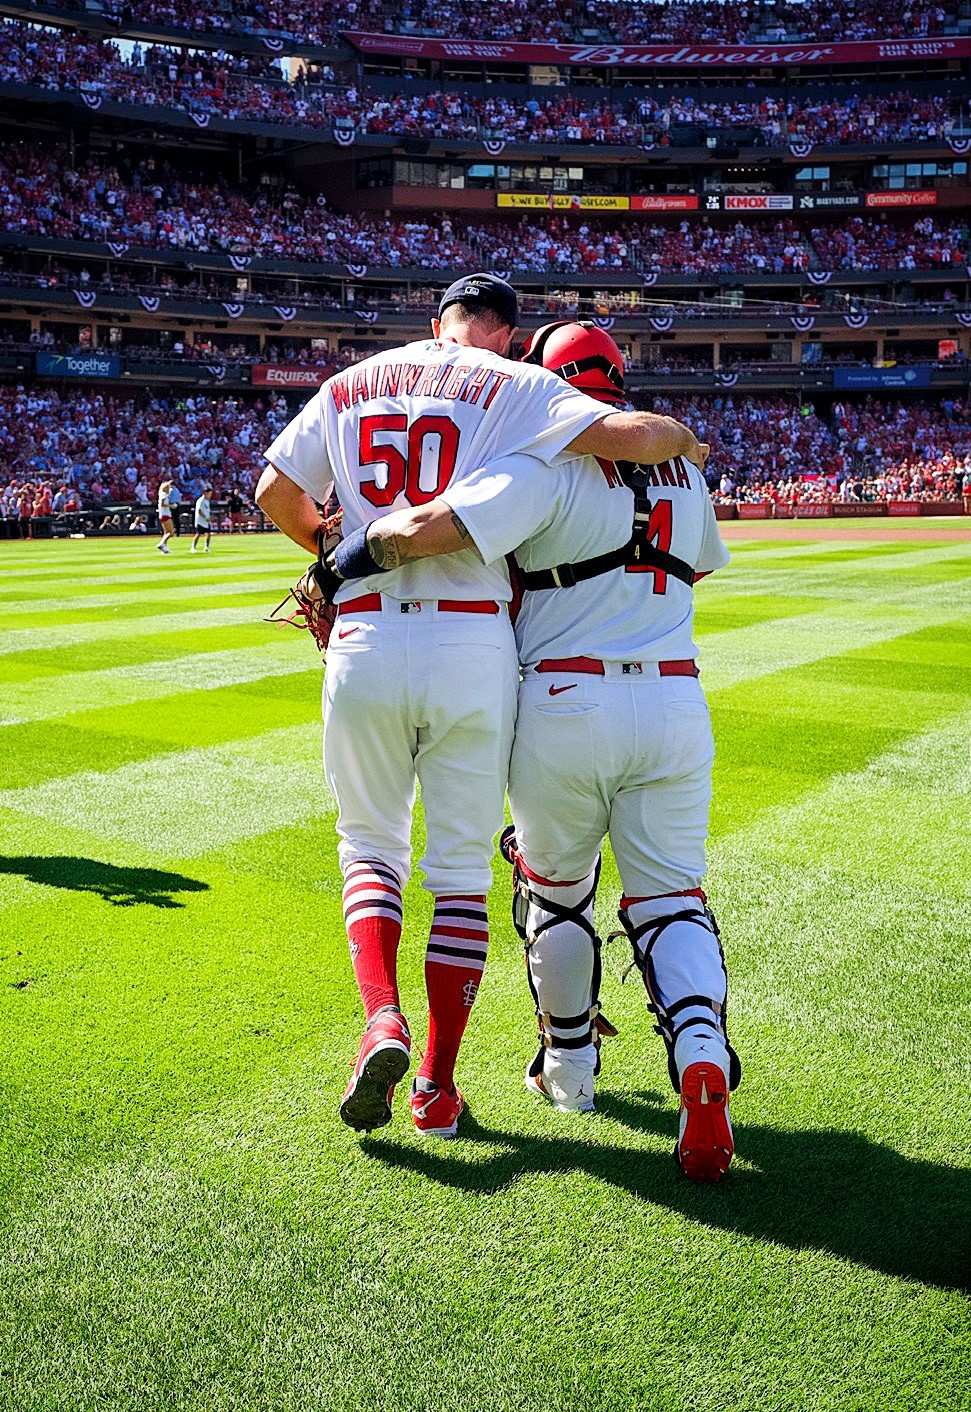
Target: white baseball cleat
[{"x": 567, "y": 1085}]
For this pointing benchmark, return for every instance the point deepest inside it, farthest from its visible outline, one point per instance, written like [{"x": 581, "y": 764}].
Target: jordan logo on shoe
[
  {"x": 582, "y": 1093},
  {"x": 555, "y": 690}
]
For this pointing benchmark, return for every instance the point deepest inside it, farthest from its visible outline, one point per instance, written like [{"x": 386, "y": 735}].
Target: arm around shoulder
[{"x": 643, "y": 437}]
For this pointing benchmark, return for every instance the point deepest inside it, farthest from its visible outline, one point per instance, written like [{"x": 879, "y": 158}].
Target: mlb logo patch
[
  {"x": 632, "y": 669},
  {"x": 413, "y": 607}
]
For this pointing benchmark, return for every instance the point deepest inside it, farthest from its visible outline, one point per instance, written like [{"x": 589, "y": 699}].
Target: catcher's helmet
[{"x": 584, "y": 355}]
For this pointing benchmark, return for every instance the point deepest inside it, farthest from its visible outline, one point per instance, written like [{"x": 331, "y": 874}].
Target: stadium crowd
[
  {"x": 153, "y": 205},
  {"x": 625, "y": 21},
  {"x": 912, "y": 450},
  {"x": 218, "y": 85},
  {"x": 86, "y": 450}
]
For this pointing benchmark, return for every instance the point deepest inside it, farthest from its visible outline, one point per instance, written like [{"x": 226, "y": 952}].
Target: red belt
[
  {"x": 371, "y": 603},
  {"x": 592, "y": 666}
]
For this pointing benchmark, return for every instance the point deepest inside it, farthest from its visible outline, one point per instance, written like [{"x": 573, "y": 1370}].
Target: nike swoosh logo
[
  {"x": 346, "y": 632},
  {"x": 555, "y": 690}
]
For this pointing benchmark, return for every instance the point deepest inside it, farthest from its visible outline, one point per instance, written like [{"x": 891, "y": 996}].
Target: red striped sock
[
  {"x": 372, "y": 916},
  {"x": 454, "y": 962}
]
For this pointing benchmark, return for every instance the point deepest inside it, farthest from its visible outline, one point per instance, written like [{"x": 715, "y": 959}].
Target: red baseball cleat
[
  {"x": 705, "y": 1144},
  {"x": 382, "y": 1060},
  {"x": 436, "y": 1111}
]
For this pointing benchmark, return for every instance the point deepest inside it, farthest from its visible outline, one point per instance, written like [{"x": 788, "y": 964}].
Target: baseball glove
[{"x": 313, "y": 593}]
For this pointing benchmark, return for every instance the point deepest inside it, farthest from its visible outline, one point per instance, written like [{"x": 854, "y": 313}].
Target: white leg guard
[
  {"x": 677, "y": 951},
  {"x": 555, "y": 921},
  {"x": 563, "y": 964}
]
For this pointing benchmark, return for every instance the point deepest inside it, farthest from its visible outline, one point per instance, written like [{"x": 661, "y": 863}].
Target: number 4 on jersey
[{"x": 658, "y": 533}]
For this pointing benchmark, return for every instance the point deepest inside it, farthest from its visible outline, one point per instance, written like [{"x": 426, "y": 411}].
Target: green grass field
[{"x": 185, "y": 1223}]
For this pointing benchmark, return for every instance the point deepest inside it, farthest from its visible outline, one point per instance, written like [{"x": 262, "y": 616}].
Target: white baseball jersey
[
  {"x": 164, "y": 506},
  {"x": 203, "y": 512},
  {"x": 575, "y": 511},
  {"x": 400, "y": 427}
]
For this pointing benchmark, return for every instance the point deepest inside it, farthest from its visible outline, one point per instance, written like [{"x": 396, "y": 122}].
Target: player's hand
[{"x": 696, "y": 451}]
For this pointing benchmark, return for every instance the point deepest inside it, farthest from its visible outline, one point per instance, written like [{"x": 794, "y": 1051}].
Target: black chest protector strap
[{"x": 637, "y": 553}]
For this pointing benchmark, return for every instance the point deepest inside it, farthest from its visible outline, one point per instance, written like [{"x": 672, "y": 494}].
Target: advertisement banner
[
  {"x": 680, "y": 56},
  {"x": 664, "y": 203},
  {"x": 942, "y": 507},
  {"x": 533, "y": 201},
  {"x": 826, "y": 201},
  {"x": 79, "y": 365},
  {"x": 766, "y": 201},
  {"x": 901, "y": 198},
  {"x": 867, "y": 510},
  {"x": 910, "y": 508},
  {"x": 288, "y": 375},
  {"x": 812, "y": 510},
  {"x": 882, "y": 377},
  {"x": 747, "y": 511}
]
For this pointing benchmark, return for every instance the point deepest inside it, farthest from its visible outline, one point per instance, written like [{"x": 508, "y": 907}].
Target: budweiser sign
[
  {"x": 288, "y": 375},
  {"x": 685, "y": 56}
]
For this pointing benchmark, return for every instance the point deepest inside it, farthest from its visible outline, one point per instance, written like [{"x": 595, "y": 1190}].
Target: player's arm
[
  {"x": 643, "y": 437},
  {"x": 290, "y": 508},
  {"x": 399, "y": 538}
]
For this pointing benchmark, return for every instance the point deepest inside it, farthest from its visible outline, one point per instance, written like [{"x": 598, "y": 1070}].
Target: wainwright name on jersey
[
  {"x": 403, "y": 425},
  {"x": 567, "y": 513}
]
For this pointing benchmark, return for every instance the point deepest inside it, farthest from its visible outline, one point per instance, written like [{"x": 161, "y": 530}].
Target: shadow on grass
[
  {"x": 814, "y": 1190},
  {"x": 123, "y": 887}
]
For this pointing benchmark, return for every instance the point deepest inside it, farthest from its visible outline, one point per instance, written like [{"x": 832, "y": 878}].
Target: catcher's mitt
[{"x": 313, "y": 593}]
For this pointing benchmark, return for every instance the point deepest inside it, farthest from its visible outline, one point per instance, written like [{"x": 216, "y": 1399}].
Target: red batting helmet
[{"x": 584, "y": 355}]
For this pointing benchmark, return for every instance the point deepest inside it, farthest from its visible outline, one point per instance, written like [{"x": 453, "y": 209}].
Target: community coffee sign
[
  {"x": 901, "y": 198},
  {"x": 288, "y": 375},
  {"x": 683, "y": 56}
]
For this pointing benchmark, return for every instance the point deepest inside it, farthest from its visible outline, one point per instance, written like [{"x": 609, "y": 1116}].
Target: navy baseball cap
[{"x": 488, "y": 291}]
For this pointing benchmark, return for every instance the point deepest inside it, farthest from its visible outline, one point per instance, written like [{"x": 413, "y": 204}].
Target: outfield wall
[{"x": 878, "y": 509}]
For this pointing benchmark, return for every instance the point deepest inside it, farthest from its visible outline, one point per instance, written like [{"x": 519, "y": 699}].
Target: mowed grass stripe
[
  {"x": 738, "y": 654},
  {"x": 56, "y": 748},
  {"x": 17, "y": 588},
  {"x": 780, "y": 734},
  {"x": 90, "y": 635},
  {"x": 128, "y": 561},
  {"x": 183, "y": 803},
  {"x": 143, "y": 593},
  {"x": 53, "y": 664},
  {"x": 168, "y": 608},
  {"x": 860, "y": 931},
  {"x": 118, "y": 687}
]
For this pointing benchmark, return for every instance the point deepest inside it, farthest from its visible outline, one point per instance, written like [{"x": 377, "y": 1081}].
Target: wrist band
[{"x": 353, "y": 559}]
